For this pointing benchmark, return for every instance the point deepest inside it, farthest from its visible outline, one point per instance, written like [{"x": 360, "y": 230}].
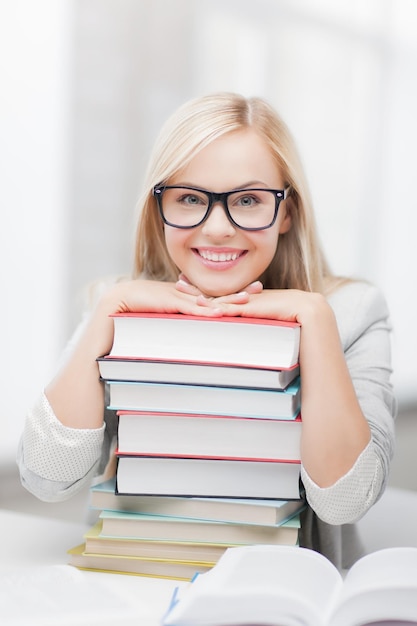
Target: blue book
[
  {"x": 159, "y": 528},
  {"x": 237, "y": 510},
  {"x": 204, "y": 399}
]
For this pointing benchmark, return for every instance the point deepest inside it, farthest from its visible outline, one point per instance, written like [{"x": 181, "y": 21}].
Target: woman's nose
[{"x": 218, "y": 223}]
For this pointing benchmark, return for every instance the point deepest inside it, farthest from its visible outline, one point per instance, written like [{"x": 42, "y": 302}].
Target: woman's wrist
[
  {"x": 99, "y": 331},
  {"x": 314, "y": 310}
]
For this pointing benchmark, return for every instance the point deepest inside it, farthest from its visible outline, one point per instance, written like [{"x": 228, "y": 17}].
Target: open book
[{"x": 292, "y": 586}]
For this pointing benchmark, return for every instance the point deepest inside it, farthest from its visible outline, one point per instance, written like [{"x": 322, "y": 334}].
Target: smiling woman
[{"x": 229, "y": 152}]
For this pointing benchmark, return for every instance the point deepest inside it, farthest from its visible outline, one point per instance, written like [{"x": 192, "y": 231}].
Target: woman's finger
[
  {"x": 186, "y": 287},
  {"x": 255, "y": 287}
]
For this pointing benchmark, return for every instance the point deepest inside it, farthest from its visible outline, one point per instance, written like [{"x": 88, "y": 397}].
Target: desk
[
  {"x": 391, "y": 522},
  {"x": 34, "y": 549},
  {"x": 36, "y": 580}
]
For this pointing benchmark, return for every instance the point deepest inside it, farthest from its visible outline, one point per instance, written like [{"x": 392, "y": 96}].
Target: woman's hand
[
  {"x": 184, "y": 286},
  {"x": 157, "y": 297},
  {"x": 254, "y": 301}
]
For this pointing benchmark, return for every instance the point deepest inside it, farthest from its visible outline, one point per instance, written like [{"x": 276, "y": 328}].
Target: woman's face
[{"x": 218, "y": 257}]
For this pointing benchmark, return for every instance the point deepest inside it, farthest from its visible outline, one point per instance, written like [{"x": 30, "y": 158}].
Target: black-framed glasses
[{"x": 248, "y": 209}]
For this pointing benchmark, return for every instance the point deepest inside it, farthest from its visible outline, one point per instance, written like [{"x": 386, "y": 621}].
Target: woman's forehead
[{"x": 237, "y": 159}]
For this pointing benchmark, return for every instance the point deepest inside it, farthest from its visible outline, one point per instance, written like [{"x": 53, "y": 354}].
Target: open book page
[
  {"x": 379, "y": 588},
  {"x": 48, "y": 595},
  {"x": 266, "y": 584}
]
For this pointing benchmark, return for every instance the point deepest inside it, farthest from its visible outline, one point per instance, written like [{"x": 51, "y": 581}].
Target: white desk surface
[{"x": 37, "y": 587}]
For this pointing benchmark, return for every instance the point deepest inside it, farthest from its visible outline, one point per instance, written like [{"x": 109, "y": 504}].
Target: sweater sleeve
[
  {"x": 54, "y": 460},
  {"x": 352, "y": 495},
  {"x": 364, "y": 328}
]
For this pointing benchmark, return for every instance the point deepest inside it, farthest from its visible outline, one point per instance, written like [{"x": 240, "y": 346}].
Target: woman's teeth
[{"x": 219, "y": 256}]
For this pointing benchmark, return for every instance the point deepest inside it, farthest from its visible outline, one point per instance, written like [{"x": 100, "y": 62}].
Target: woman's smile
[{"x": 220, "y": 258}]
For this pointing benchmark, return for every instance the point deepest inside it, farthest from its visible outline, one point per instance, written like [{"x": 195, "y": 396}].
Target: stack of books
[{"x": 208, "y": 452}]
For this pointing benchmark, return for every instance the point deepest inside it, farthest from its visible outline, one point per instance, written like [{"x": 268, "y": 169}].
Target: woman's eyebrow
[{"x": 247, "y": 185}]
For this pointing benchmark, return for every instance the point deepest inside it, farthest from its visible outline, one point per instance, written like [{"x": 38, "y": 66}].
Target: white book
[
  {"x": 215, "y": 478},
  {"x": 293, "y": 586}
]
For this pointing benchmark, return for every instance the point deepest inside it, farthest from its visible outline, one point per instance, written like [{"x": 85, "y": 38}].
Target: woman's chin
[{"x": 218, "y": 291}]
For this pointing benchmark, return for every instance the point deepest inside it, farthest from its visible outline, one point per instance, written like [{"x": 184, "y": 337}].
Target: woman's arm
[
  {"x": 335, "y": 430},
  {"x": 76, "y": 393},
  {"x": 64, "y": 440},
  {"x": 337, "y": 390}
]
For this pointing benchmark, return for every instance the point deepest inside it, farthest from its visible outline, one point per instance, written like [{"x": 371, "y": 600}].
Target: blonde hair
[{"x": 299, "y": 262}]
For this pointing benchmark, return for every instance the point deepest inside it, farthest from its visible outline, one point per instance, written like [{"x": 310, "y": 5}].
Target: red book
[
  {"x": 208, "y": 436},
  {"x": 249, "y": 342}
]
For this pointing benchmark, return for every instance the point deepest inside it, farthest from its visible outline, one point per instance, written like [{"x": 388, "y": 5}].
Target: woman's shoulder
[
  {"x": 350, "y": 292},
  {"x": 358, "y": 305}
]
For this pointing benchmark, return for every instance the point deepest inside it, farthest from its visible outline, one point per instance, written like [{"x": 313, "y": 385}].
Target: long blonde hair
[{"x": 299, "y": 262}]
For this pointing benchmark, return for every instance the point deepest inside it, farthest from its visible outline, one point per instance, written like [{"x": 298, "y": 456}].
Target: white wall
[
  {"x": 85, "y": 87},
  {"x": 34, "y": 103}
]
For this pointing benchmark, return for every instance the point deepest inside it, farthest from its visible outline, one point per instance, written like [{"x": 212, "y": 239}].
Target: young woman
[{"x": 226, "y": 227}]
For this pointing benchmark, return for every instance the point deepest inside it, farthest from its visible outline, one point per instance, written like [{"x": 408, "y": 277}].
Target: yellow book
[
  {"x": 159, "y": 568},
  {"x": 148, "y": 548}
]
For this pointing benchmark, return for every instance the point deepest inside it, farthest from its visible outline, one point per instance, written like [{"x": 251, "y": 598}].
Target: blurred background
[{"x": 85, "y": 86}]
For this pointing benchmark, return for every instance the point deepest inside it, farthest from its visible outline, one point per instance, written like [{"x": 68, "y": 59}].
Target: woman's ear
[{"x": 285, "y": 221}]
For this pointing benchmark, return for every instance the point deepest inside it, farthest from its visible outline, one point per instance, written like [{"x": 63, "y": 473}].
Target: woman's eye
[
  {"x": 247, "y": 201},
  {"x": 190, "y": 199}
]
